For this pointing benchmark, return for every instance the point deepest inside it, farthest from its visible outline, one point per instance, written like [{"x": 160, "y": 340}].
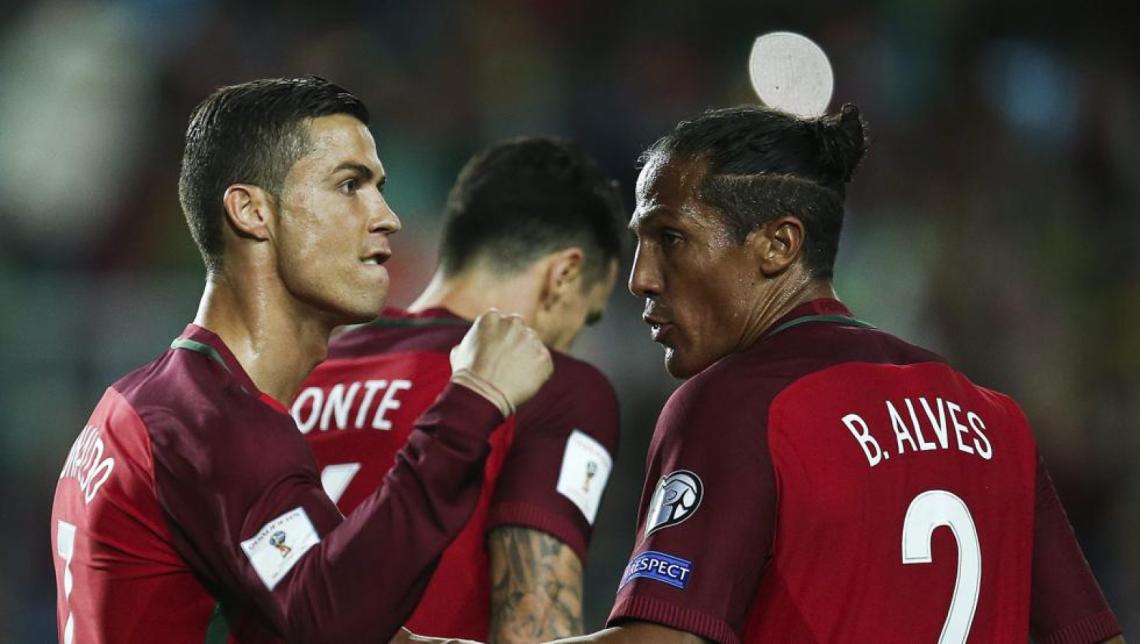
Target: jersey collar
[
  {"x": 823, "y": 310},
  {"x": 432, "y": 313},
  {"x": 201, "y": 340},
  {"x": 435, "y": 316}
]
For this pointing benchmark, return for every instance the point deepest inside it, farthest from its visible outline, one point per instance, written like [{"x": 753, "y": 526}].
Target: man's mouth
[
  {"x": 376, "y": 258},
  {"x": 658, "y": 327}
]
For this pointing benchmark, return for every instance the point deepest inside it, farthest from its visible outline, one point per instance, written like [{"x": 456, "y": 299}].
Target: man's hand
[{"x": 502, "y": 359}]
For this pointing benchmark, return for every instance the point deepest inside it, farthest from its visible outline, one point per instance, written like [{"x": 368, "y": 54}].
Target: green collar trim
[
  {"x": 398, "y": 323},
  {"x": 218, "y": 629},
  {"x": 200, "y": 347},
  {"x": 820, "y": 319}
]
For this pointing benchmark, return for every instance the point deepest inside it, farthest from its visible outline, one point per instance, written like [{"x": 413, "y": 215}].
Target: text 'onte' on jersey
[
  {"x": 190, "y": 510},
  {"x": 547, "y": 470}
]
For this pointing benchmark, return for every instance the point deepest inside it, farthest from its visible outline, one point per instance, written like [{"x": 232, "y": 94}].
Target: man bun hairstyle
[
  {"x": 763, "y": 163},
  {"x": 526, "y": 197},
  {"x": 250, "y": 133}
]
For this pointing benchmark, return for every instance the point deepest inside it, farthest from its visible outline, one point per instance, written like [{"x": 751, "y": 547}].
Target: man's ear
[
  {"x": 777, "y": 244},
  {"x": 563, "y": 272},
  {"x": 249, "y": 211}
]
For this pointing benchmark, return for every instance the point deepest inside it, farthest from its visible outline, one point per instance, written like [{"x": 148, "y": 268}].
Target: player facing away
[
  {"x": 190, "y": 508},
  {"x": 815, "y": 479},
  {"x": 534, "y": 227}
]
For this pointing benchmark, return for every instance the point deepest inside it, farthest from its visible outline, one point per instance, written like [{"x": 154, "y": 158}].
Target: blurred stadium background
[{"x": 995, "y": 219}]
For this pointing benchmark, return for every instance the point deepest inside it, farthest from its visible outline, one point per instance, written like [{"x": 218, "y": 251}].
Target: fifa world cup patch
[
  {"x": 658, "y": 566},
  {"x": 279, "y": 545},
  {"x": 676, "y": 498},
  {"x": 586, "y": 466}
]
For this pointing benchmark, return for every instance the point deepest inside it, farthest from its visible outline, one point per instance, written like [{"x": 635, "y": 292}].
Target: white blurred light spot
[{"x": 791, "y": 73}]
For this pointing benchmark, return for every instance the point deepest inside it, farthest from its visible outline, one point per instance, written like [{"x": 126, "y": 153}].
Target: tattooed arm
[{"x": 536, "y": 587}]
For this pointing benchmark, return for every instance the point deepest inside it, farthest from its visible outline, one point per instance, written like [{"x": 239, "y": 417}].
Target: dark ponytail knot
[{"x": 841, "y": 141}]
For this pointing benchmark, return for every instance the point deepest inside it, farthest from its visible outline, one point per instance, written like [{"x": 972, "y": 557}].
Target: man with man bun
[{"x": 816, "y": 479}]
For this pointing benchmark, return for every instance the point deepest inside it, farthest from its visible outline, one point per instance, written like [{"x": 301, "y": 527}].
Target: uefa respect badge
[{"x": 658, "y": 566}]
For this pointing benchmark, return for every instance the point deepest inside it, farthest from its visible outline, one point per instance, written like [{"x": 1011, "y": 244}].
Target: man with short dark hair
[
  {"x": 533, "y": 227},
  {"x": 815, "y": 479},
  {"x": 189, "y": 509}
]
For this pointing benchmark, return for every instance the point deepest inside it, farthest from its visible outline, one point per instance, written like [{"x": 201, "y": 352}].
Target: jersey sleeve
[
  {"x": 560, "y": 459},
  {"x": 248, "y": 513},
  {"x": 708, "y": 512},
  {"x": 1066, "y": 604}
]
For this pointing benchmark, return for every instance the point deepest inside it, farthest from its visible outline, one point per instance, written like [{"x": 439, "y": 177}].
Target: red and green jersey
[
  {"x": 190, "y": 510},
  {"x": 547, "y": 469},
  {"x": 835, "y": 484}
]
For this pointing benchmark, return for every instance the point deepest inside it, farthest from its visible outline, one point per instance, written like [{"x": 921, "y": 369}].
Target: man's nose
[
  {"x": 644, "y": 278},
  {"x": 384, "y": 219}
]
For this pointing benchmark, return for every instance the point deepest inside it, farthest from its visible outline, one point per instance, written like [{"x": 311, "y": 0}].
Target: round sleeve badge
[{"x": 676, "y": 498}]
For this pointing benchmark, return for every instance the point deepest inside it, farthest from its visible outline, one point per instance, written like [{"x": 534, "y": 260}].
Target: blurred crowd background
[{"x": 995, "y": 219}]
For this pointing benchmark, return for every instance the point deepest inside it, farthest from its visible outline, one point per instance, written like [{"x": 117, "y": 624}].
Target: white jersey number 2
[{"x": 927, "y": 512}]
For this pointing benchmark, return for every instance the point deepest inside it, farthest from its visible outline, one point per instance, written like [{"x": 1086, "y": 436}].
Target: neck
[
  {"x": 276, "y": 343},
  {"x": 780, "y": 301},
  {"x": 472, "y": 292}
]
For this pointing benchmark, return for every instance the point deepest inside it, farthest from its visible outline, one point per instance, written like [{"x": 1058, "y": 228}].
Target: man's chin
[
  {"x": 358, "y": 312},
  {"x": 682, "y": 366},
  {"x": 674, "y": 364}
]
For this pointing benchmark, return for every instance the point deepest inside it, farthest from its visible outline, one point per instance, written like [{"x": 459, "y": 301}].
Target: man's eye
[
  {"x": 671, "y": 237},
  {"x": 348, "y": 186}
]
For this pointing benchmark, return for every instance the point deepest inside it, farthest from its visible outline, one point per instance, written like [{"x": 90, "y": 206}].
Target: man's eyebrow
[
  {"x": 359, "y": 168},
  {"x": 647, "y": 215}
]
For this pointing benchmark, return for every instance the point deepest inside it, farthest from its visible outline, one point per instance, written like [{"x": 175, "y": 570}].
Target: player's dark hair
[
  {"x": 250, "y": 133},
  {"x": 526, "y": 197},
  {"x": 764, "y": 163}
]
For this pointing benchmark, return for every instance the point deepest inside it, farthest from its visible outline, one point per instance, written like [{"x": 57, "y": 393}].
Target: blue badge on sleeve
[{"x": 658, "y": 566}]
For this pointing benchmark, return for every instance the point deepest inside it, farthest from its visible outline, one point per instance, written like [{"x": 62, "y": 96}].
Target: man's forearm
[
  {"x": 536, "y": 587},
  {"x": 372, "y": 568}
]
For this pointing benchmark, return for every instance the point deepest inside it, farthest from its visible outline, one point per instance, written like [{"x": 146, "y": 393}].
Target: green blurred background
[{"x": 995, "y": 219}]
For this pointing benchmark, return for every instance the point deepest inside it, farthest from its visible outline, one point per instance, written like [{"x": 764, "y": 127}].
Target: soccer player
[
  {"x": 190, "y": 509},
  {"x": 816, "y": 479},
  {"x": 533, "y": 227}
]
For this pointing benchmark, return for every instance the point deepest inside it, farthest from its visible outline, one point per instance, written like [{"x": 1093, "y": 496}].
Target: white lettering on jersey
[
  {"x": 279, "y": 545},
  {"x": 943, "y": 419},
  {"x": 586, "y": 467},
  {"x": 858, "y": 428},
  {"x": 315, "y": 408},
  {"x": 87, "y": 462}
]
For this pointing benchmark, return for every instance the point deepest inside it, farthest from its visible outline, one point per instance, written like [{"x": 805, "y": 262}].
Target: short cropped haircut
[
  {"x": 250, "y": 133},
  {"x": 764, "y": 163},
  {"x": 524, "y": 198}
]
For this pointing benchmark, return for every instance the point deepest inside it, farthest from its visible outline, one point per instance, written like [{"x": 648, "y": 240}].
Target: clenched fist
[{"x": 502, "y": 359}]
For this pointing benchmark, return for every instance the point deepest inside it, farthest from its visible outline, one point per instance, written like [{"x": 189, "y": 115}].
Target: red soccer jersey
[
  {"x": 834, "y": 484},
  {"x": 547, "y": 469},
  {"x": 190, "y": 510}
]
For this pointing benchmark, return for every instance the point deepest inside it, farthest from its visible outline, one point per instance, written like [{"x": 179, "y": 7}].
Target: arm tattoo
[{"x": 536, "y": 586}]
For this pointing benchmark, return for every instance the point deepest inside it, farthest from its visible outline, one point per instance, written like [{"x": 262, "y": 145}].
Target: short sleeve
[
  {"x": 1066, "y": 606},
  {"x": 560, "y": 459},
  {"x": 707, "y": 513}
]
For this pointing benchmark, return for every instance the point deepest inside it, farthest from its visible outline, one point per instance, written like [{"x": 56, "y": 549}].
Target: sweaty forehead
[
  {"x": 670, "y": 181},
  {"x": 340, "y": 138}
]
